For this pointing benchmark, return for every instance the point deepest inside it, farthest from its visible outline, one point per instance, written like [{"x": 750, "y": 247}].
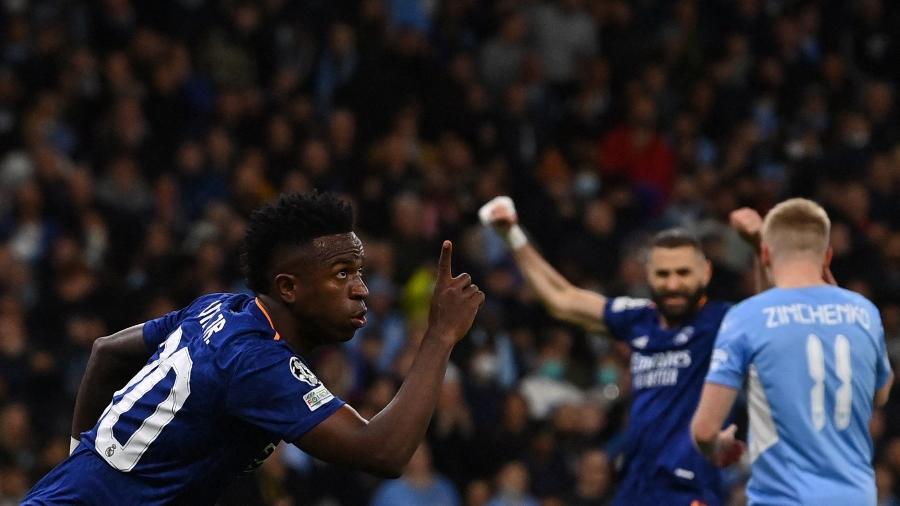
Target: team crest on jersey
[
  {"x": 684, "y": 336},
  {"x": 719, "y": 358},
  {"x": 302, "y": 373},
  {"x": 640, "y": 342}
]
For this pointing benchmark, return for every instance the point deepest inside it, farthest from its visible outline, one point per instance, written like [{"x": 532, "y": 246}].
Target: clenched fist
[
  {"x": 455, "y": 302},
  {"x": 500, "y": 214},
  {"x": 748, "y": 223}
]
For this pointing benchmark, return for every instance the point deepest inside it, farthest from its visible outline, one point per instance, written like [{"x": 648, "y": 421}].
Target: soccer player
[
  {"x": 671, "y": 339},
  {"x": 223, "y": 380},
  {"x": 815, "y": 362}
]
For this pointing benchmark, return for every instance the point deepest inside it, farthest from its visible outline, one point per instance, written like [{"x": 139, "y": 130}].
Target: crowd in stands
[{"x": 136, "y": 137}]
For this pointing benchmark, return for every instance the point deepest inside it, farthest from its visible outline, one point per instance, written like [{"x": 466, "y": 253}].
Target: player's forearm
[
  {"x": 760, "y": 277},
  {"x": 539, "y": 274},
  {"x": 562, "y": 299},
  {"x": 548, "y": 284},
  {"x": 395, "y": 432},
  {"x": 704, "y": 434},
  {"x": 707, "y": 444}
]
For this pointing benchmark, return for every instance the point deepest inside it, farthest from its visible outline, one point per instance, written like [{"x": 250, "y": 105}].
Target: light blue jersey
[{"x": 813, "y": 359}]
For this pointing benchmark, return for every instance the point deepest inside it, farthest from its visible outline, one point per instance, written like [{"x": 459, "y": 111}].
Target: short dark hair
[
  {"x": 291, "y": 220},
  {"x": 676, "y": 238}
]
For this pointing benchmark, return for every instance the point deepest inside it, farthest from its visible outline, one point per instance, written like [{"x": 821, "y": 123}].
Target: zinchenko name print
[{"x": 821, "y": 314}]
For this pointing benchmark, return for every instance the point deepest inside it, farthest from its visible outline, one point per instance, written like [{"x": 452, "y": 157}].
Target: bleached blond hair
[{"x": 796, "y": 226}]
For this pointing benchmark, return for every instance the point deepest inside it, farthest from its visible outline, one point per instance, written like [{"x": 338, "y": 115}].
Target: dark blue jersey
[
  {"x": 668, "y": 369},
  {"x": 219, "y": 392}
]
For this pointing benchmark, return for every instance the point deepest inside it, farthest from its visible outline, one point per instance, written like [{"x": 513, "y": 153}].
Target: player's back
[
  {"x": 816, "y": 357},
  {"x": 216, "y": 396}
]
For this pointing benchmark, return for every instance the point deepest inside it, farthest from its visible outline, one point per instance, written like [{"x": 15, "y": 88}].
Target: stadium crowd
[{"x": 136, "y": 136}]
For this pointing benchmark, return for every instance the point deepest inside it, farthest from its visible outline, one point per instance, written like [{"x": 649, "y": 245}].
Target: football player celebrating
[{"x": 216, "y": 385}]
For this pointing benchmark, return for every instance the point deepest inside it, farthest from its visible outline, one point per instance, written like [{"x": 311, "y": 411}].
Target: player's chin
[
  {"x": 674, "y": 310},
  {"x": 347, "y": 333},
  {"x": 675, "y": 306}
]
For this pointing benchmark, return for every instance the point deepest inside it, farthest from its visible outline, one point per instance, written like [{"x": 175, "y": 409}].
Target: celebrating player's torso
[
  {"x": 215, "y": 398},
  {"x": 668, "y": 366}
]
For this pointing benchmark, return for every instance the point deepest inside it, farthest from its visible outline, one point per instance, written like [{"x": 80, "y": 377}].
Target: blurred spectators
[
  {"x": 136, "y": 137},
  {"x": 418, "y": 485}
]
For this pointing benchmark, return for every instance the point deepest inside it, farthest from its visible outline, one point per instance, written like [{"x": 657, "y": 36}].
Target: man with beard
[{"x": 671, "y": 338}]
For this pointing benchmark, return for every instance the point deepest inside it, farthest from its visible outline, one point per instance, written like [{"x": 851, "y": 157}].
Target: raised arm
[
  {"x": 114, "y": 359},
  {"x": 562, "y": 299},
  {"x": 385, "y": 444},
  {"x": 748, "y": 223}
]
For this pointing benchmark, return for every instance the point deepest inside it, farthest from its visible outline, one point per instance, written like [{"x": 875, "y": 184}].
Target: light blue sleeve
[
  {"x": 731, "y": 356},
  {"x": 883, "y": 368}
]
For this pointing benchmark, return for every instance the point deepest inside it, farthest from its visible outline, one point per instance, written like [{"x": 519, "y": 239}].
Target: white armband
[{"x": 516, "y": 237}]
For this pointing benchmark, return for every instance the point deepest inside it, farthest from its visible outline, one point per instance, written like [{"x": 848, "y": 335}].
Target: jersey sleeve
[
  {"x": 731, "y": 355},
  {"x": 273, "y": 389},
  {"x": 883, "y": 368},
  {"x": 621, "y": 313},
  {"x": 157, "y": 329}
]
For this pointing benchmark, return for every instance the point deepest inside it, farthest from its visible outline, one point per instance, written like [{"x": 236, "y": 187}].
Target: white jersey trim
[{"x": 763, "y": 434}]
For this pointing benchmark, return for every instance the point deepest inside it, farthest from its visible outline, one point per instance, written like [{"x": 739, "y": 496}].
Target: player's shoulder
[
  {"x": 857, "y": 299},
  {"x": 249, "y": 326},
  {"x": 750, "y": 306},
  {"x": 716, "y": 309},
  {"x": 209, "y": 303},
  {"x": 851, "y": 296},
  {"x": 229, "y": 321}
]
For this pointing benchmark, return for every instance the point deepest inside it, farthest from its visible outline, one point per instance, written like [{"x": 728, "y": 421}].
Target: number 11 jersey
[
  {"x": 813, "y": 358},
  {"x": 219, "y": 392}
]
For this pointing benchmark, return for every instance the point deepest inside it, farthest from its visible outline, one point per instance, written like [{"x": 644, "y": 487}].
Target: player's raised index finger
[{"x": 444, "y": 260}]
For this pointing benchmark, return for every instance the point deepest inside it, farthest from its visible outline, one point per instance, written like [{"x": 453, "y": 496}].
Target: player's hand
[
  {"x": 455, "y": 302},
  {"x": 748, "y": 223},
  {"x": 728, "y": 449},
  {"x": 499, "y": 213}
]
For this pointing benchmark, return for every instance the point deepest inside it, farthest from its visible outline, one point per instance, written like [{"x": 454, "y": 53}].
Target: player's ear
[
  {"x": 765, "y": 255},
  {"x": 286, "y": 287},
  {"x": 829, "y": 254}
]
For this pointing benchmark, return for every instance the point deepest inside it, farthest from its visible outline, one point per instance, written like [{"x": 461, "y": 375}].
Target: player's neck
[
  {"x": 284, "y": 323},
  {"x": 796, "y": 274}
]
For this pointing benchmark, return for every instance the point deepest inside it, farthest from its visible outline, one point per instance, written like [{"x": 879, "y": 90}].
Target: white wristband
[
  {"x": 73, "y": 443},
  {"x": 516, "y": 237}
]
